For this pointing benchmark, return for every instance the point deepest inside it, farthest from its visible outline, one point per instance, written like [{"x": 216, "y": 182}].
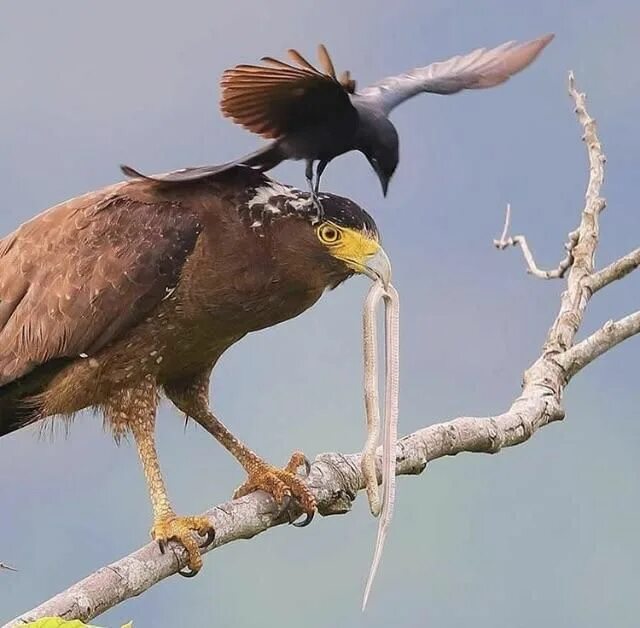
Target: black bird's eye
[{"x": 329, "y": 234}]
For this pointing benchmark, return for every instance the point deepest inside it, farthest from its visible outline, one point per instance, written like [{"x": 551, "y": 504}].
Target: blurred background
[{"x": 542, "y": 534}]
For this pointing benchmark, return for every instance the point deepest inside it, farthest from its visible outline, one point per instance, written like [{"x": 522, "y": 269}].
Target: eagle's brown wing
[
  {"x": 79, "y": 275},
  {"x": 280, "y": 98}
]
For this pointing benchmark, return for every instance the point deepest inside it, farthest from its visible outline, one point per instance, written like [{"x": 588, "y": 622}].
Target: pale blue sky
[{"x": 543, "y": 534}]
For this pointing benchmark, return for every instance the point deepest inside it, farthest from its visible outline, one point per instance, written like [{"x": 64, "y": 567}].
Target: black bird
[{"x": 316, "y": 116}]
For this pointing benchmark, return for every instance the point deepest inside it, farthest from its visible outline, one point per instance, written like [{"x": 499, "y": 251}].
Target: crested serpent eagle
[{"x": 115, "y": 297}]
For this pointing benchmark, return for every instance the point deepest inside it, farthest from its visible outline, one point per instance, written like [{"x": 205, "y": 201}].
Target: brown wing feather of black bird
[
  {"x": 312, "y": 115},
  {"x": 110, "y": 298},
  {"x": 279, "y": 98}
]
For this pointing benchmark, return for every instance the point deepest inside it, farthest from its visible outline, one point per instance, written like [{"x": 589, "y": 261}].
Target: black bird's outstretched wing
[
  {"x": 476, "y": 70},
  {"x": 278, "y": 99}
]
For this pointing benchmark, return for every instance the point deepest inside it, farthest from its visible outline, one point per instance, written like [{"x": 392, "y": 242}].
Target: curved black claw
[
  {"x": 307, "y": 467},
  {"x": 305, "y": 522},
  {"x": 162, "y": 546},
  {"x": 187, "y": 572},
  {"x": 209, "y": 538}
]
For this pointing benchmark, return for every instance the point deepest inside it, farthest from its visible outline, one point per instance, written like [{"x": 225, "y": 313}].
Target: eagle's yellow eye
[{"x": 329, "y": 233}]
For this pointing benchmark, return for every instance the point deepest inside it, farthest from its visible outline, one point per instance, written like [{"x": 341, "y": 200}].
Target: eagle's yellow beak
[
  {"x": 359, "y": 250},
  {"x": 378, "y": 267}
]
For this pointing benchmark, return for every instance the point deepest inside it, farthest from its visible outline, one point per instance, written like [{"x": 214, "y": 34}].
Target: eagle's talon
[
  {"x": 284, "y": 485},
  {"x": 305, "y": 522},
  {"x": 297, "y": 460},
  {"x": 181, "y": 529},
  {"x": 209, "y": 538},
  {"x": 187, "y": 572}
]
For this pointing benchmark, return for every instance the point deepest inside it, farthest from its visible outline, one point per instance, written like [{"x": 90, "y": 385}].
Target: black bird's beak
[
  {"x": 384, "y": 182},
  {"x": 382, "y": 177}
]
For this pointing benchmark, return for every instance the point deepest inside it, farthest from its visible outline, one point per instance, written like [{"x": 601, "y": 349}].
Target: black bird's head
[{"x": 378, "y": 141}]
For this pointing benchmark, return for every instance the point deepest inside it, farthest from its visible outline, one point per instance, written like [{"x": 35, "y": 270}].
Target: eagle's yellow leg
[
  {"x": 283, "y": 484},
  {"x": 138, "y": 408}
]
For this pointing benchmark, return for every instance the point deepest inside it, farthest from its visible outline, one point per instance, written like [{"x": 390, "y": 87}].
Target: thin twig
[
  {"x": 7, "y": 567},
  {"x": 532, "y": 268}
]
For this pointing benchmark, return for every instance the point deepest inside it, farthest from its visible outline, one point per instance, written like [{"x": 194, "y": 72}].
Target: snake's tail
[{"x": 390, "y": 437}]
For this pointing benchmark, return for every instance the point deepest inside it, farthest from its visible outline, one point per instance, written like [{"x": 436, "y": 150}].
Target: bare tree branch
[
  {"x": 617, "y": 270},
  {"x": 556, "y": 273},
  {"x": 335, "y": 479},
  {"x": 608, "y": 336},
  {"x": 585, "y": 237}
]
